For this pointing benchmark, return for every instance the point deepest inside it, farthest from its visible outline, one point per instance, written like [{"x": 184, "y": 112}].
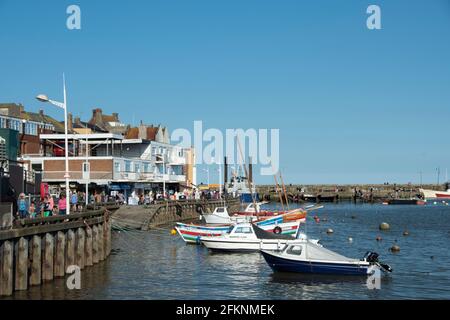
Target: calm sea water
[{"x": 157, "y": 265}]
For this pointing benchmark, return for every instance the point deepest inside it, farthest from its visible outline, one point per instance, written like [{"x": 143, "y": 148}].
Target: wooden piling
[
  {"x": 95, "y": 258},
  {"x": 101, "y": 243},
  {"x": 79, "y": 251},
  {"x": 60, "y": 253},
  {"x": 21, "y": 265},
  {"x": 47, "y": 268},
  {"x": 88, "y": 247},
  {"x": 6, "y": 268},
  {"x": 108, "y": 236},
  {"x": 70, "y": 249},
  {"x": 36, "y": 261}
]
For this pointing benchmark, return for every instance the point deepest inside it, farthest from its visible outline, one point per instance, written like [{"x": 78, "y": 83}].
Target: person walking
[
  {"x": 22, "y": 206},
  {"x": 62, "y": 204},
  {"x": 46, "y": 210},
  {"x": 74, "y": 201}
]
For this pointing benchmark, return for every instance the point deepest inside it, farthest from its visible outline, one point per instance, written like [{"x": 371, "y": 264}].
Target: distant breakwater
[{"x": 336, "y": 193}]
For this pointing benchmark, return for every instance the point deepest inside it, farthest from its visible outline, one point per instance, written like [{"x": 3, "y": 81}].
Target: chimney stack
[
  {"x": 69, "y": 122},
  {"x": 97, "y": 115}
]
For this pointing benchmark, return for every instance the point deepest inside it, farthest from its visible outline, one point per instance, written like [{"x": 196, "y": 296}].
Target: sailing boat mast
[
  {"x": 278, "y": 191},
  {"x": 284, "y": 190},
  {"x": 246, "y": 175}
]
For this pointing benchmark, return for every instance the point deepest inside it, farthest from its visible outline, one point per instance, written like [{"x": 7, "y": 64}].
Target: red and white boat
[{"x": 433, "y": 194}]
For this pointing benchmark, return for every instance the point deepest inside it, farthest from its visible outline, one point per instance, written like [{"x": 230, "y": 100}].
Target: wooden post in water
[
  {"x": 108, "y": 236},
  {"x": 36, "y": 261},
  {"x": 101, "y": 243},
  {"x": 21, "y": 264},
  {"x": 95, "y": 244},
  {"x": 47, "y": 265},
  {"x": 60, "y": 254},
  {"x": 80, "y": 254},
  {"x": 88, "y": 247},
  {"x": 6, "y": 268},
  {"x": 70, "y": 252}
]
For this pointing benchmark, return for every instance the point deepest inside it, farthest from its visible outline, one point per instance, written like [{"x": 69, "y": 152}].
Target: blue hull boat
[
  {"x": 279, "y": 264},
  {"x": 305, "y": 256}
]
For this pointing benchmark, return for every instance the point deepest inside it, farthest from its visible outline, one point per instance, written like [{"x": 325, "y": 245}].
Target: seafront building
[{"x": 104, "y": 153}]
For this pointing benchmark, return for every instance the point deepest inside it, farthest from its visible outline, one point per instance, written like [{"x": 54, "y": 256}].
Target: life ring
[{"x": 277, "y": 230}]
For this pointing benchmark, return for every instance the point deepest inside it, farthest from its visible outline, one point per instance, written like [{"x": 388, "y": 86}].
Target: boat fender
[{"x": 277, "y": 230}]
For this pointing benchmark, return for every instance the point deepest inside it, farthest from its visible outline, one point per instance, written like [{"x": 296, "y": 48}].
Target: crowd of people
[
  {"x": 152, "y": 197},
  {"x": 53, "y": 205},
  {"x": 49, "y": 205}
]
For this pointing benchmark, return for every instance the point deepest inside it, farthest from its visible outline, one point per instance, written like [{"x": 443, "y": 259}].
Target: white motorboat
[
  {"x": 220, "y": 215},
  {"x": 249, "y": 237},
  {"x": 433, "y": 194},
  {"x": 305, "y": 256}
]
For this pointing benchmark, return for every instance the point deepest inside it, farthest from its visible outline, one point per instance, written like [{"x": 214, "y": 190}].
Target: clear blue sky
[{"x": 353, "y": 105}]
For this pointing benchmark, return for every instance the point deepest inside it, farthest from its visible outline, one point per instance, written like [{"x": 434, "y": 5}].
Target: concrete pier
[{"x": 148, "y": 216}]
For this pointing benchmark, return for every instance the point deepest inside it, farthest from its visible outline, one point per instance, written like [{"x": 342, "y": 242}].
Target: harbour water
[{"x": 157, "y": 265}]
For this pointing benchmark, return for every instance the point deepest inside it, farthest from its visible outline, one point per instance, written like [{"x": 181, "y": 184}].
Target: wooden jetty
[{"x": 39, "y": 250}]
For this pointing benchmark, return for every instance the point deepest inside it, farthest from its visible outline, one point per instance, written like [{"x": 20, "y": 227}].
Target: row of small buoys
[
  {"x": 330, "y": 231},
  {"x": 395, "y": 248},
  {"x": 173, "y": 232},
  {"x": 406, "y": 233}
]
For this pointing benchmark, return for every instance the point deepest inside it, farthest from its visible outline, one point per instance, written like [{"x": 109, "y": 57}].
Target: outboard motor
[{"x": 372, "y": 257}]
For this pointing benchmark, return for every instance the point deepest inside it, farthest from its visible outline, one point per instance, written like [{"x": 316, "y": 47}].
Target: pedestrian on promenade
[
  {"x": 62, "y": 204},
  {"x": 74, "y": 201},
  {"x": 51, "y": 202},
  {"x": 46, "y": 210},
  {"x": 32, "y": 210},
  {"x": 81, "y": 200},
  {"x": 22, "y": 206}
]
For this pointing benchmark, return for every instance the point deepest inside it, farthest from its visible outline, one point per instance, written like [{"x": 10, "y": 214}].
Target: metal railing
[{"x": 77, "y": 175}]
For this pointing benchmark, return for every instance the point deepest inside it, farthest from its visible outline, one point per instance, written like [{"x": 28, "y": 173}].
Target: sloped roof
[{"x": 132, "y": 133}]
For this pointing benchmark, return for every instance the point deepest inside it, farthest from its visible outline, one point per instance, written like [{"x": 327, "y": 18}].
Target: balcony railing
[{"x": 77, "y": 175}]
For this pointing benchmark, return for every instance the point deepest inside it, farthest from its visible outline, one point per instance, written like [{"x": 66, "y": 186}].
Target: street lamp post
[{"x": 62, "y": 105}]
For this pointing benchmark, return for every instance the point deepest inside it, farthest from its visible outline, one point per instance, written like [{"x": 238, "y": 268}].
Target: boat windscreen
[{"x": 263, "y": 234}]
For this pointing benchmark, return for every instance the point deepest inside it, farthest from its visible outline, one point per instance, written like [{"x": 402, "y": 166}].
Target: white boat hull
[
  {"x": 242, "y": 244},
  {"x": 433, "y": 194}
]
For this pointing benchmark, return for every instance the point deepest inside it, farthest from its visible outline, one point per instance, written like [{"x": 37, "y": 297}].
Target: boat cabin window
[
  {"x": 220, "y": 209},
  {"x": 296, "y": 250},
  {"x": 243, "y": 230}
]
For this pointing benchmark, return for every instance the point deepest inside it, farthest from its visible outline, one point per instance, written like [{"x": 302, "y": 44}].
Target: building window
[
  {"x": 137, "y": 167},
  {"x": 146, "y": 167},
  {"x": 2, "y": 122},
  {"x": 15, "y": 125},
  {"x": 117, "y": 166},
  {"x": 31, "y": 128},
  {"x": 127, "y": 166}
]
